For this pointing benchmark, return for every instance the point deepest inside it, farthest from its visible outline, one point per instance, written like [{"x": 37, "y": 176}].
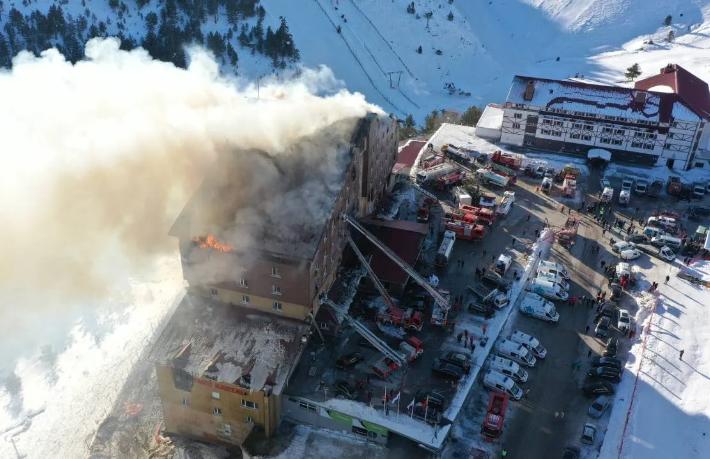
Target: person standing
[
  {"x": 667, "y": 279},
  {"x": 682, "y": 351}
]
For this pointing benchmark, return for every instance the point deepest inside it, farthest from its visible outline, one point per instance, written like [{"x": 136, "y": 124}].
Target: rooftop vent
[
  {"x": 639, "y": 100},
  {"x": 529, "y": 91}
]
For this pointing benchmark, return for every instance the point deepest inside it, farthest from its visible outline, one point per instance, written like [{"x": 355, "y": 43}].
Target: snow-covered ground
[
  {"x": 486, "y": 43},
  {"x": 663, "y": 409},
  {"x": 55, "y": 398}
]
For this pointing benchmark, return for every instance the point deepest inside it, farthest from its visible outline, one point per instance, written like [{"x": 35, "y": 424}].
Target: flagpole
[
  {"x": 426, "y": 408},
  {"x": 399, "y": 399}
]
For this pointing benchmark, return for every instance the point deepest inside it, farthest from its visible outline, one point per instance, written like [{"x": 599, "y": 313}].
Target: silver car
[
  {"x": 589, "y": 432},
  {"x": 599, "y": 406}
]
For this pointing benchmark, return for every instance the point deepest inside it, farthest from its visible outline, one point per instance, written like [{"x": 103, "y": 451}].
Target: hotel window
[
  {"x": 587, "y": 137},
  {"x": 619, "y": 132},
  {"x": 245, "y": 299},
  {"x": 277, "y": 306},
  {"x": 249, "y": 404},
  {"x": 215, "y": 395},
  {"x": 214, "y": 292},
  {"x": 516, "y": 125},
  {"x": 574, "y": 136},
  {"x": 275, "y": 272},
  {"x": 249, "y": 420},
  {"x": 275, "y": 290},
  {"x": 588, "y": 127},
  {"x": 185, "y": 402},
  {"x": 217, "y": 411},
  {"x": 517, "y": 115},
  {"x": 577, "y": 125},
  {"x": 616, "y": 142},
  {"x": 243, "y": 282}
]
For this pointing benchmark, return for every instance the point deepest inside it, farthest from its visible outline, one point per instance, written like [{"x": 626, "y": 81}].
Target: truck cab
[
  {"x": 556, "y": 278},
  {"x": 554, "y": 268},
  {"x": 641, "y": 187}
]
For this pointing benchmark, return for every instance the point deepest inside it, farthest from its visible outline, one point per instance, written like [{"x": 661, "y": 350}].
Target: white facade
[{"x": 636, "y": 126}]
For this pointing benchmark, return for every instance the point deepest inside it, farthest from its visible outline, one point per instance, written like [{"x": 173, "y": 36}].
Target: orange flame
[{"x": 211, "y": 242}]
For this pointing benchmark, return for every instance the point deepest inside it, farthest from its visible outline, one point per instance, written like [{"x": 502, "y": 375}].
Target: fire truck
[
  {"x": 450, "y": 179},
  {"x": 431, "y": 161},
  {"x": 483, "y": 214},
  {"x": 409, "y": 319},
  {"x": 510, "y": 160},
  {"x": 492, "y": 427},
  {"x": 466, "y": 231},
  {"x": 569, "y": 186}
]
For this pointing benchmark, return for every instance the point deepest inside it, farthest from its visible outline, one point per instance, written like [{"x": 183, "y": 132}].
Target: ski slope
[{"x": 488, "y": 42}]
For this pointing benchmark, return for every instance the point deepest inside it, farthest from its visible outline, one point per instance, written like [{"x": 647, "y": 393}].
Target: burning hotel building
[{"x": 260, "y": 242}]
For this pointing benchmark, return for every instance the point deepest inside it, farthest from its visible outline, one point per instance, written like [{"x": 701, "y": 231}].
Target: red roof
[
  {"x": 405, "y": 238},
  {"x": 408, "y": 153},
  {"x": 690, "y": 89}
]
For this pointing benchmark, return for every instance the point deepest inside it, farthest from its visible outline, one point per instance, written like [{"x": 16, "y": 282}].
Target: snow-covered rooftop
[
  {"x": 225, "y": 343},
  {"x": 599, "y": 100}
]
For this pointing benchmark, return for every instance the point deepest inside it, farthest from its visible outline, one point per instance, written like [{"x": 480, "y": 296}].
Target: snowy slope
[
  {"x": 665, "y": 411},
  {"x": 486, "y": 43}
]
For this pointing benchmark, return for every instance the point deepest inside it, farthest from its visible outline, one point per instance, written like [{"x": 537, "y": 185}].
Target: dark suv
[
  {"x": 447, "y": 370},
  {"x": 348, "y": 360}
]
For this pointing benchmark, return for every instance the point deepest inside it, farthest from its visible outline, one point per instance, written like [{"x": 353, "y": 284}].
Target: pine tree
[
  {"x": 671, "y": 36},
  {"x": 450, "y": 17},
  {"x": 471, "y": 116},
  {"x": 409, "y": 129},
  {"x": 232, "y": 55},
  {"x": 668, "y": 20},
  {"x": 432, "y": 122},
  {"x": 633, "y": 72}
]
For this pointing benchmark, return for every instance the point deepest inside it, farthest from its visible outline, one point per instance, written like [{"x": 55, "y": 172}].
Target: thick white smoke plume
[{"x": 100, "y": 157}]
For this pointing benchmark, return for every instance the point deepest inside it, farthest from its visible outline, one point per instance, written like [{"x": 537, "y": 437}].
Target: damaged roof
[
  {"x": 599, "y": 100},
  {"x": 273, "y": 202},
  {"x": 234, "y": 345},
  {"x": 692, "y": 90}
]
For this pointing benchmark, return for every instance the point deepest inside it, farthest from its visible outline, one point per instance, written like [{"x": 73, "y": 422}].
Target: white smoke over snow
[{"x": 100, "y": 156}]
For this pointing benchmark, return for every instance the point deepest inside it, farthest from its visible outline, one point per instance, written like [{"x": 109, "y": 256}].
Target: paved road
[{"x": 535, "y": 430}]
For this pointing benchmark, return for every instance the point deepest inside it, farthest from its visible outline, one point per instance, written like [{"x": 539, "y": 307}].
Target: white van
[
  {"x": 516, "y": 352},
  {"x": 555, "y": 268},
  {"x": 497, "y": 381},
  {"x": 664, "y": 239},
  {"x": 536, "y": 306},
  {"x": 508, "y": 368},
  {"x": 663, "y": 222},
  {"x": 554, "y": 278},
  {"x": 548, "y": 289},
  {"x": 530, "y": 342}
]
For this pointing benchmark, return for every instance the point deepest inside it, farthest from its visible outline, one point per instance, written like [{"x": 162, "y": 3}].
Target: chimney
[
  {"x": 529, "y": 91},
  {"x": 640, "y": 98},
  {"x": 670, "y": 68}
]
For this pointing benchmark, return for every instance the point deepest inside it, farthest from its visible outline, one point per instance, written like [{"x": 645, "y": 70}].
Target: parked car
[
  {"x": 602, "y": 328},
  {"x": 636, "y": 238},
  {"x": 630, "y": 254},
  {"x": 570, "y": 452},
  {"x": 459, "y": 359},
  {"x": 698, "y": 212},
  {"x": 593, "y": 388},
  {"x": 348, "y": 360},
  {"x": 447, "y": 370},
  {"x": 606, "y": 361},
  {"x": 345, "y": 390},
  {"x": 666, "y": 253},
  {"x": 599, "y": 406},
  {"x": 605, "y": 373},
  {"x": 612, "y": 346},
  {"x": 589, "y": 432},
  {"x": 624, "y": 321},
  {"x": 622, "y": 245}
]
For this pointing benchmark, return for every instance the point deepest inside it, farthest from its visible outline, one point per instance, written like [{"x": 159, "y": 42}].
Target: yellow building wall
[
  {"x": 190, "y": 413},
  {"x": 265, "y": 304}
]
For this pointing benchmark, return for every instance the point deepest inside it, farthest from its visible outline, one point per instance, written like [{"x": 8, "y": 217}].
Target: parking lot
[{"x": 553, "y": 411}]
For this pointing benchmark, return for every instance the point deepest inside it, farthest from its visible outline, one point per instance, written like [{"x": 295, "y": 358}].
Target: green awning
[
  {"x": 375, "y": 428},
  {"x": 344, "y": 418}
]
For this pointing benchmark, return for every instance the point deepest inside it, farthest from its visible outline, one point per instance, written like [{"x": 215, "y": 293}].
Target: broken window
[
  {"x": 245, "y": 299},
  {"x": 217, "y": 411},
  {"x": 277, "y": 306},
  {"x": 275, "y": 272},
  {"x": 243, "y": 282},
  {"x": 275, "y": 290}
]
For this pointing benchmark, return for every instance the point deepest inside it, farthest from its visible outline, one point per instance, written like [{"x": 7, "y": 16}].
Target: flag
[
  {"x": 395, "y": 399},
  {"x": 411, "y": 405}
]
